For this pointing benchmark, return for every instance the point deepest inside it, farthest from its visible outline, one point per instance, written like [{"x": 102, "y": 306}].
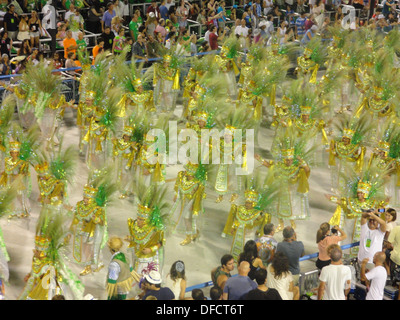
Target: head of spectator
[
  {"x": 58, "y": 297},
  {"x": 390, "y": 215},
  {"x": 261, "y": 276},
  {"x": 110, "y": 7},
  {"x": 280, "y": 263},
  {"x": 288, "y": 233},
  {"x": 243, "y": 23},
  {"x": 152, "y": 281},
  {"x": 323, "y": 231},
  {"x": 177, "y": 270},
  {"x": 197, "y": 294},
  {"x": 335, "y": 253},
  {"x": 244, "y": 268},
  {"x": 11, "y": 8},
  {"x": 216, "y": 293},
  {"x": 250, "y": 251},
  {"x": 269, "y": 229}
]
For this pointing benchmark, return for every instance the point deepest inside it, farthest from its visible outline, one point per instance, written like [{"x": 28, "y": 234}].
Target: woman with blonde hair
[{"x": 325, "y": 237}]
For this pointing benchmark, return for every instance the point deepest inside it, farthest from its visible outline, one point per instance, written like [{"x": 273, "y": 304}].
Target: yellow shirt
[{"x": 394, "y": 239}]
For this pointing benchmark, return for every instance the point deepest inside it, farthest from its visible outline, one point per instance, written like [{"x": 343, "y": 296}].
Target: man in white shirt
[
  {"x": 49, "y": 23},
  {"x": 373, "y": 230},
  {"x": 335, "y": 279},
  {"x": 242, "y": 30},
  {"x": 375, "y": 279}
]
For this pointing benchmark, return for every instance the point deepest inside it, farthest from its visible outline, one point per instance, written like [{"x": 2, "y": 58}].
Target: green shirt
[{"x": 133, "y": 26}]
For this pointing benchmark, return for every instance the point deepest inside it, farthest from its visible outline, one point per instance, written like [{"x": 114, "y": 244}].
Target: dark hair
[
  {"x": 280, "y": 263},
  {"x": 393, "y": 213},
  {"x": 288, "y": 232},
  {"x": 225, "y": 259},
  {"x": 215, "y": 293},
  {"x": 268, "y": 228},
  {"x": 58, "y": 297},
  {"x": 249, "y": 253},
  {"x": 177, "y": 270},
  {"x": 260, "y": 276},
  {"x": 197, "y": 294}
]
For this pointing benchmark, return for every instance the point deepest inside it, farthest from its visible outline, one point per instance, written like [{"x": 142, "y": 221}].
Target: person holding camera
[
  {"x": 327, "y": 236},
  {"x": 373, "y": 230}
]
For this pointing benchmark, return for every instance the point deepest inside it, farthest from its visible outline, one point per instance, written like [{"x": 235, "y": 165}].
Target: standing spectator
[
  {"x": 176, "y": 280},
  {"x": 250, "y": 254},
  {"x": 237, "y": 287},
  {"x": 154, "y": 9},
  {"x": 134, "y": 27},
  {"x": 375, "y": 278},
  {"x": 81, "y": 43},
  {"x": 34, "y": 29},
  {"x": 69, "y": 44},
  {"x": 97, "y": 47},
  {"x": 326, "y": 237},
  {"x": 161, "y": 28},
  {"x": 151, "y": 24},
  {"x": 268, "y": 5},
  {"x": 124, "y": 4},
  {"x": 182, "y": 13},
  {"x": 116, "y": 25},
  {"x": 213, "y": 38},
  {"x": 5, "y": 44},
  {"x": 163, "y": 10},
  {"x": 76, "y": 23},
  {"x": 119, "y": 42},
  {"x": 107, "y": 16},
  {"x": 390, "y": 219},
  {"x": 49, "y": 23},
  {"x": 281, "y": 279},
  {"x": 335, "y": 279},
  {"x": 394, "y": 255},
  {"x": 216, "y": 293},
  {"x": 93, "y": 23},
  {"x": 293, "y": 249},
  {"x": 108, "y": 38},
  {"x": 61, "y": 34},
  {"x": 153, "y": 48},
  {"x": 169, "y": 4},
  {"x": 300, "y": 28},
  {"x": 69, "y": 13},
  {"x": 267, "y": 28},
  {"x": 242, "y": 32},
  {"x": 23, "y": 28},
  {"x": 262, "y": 292},
  {"x": 222, "y": 16},
  {"x": 221, "y": 274},
  {"x": 139, "y": 48},
  {"x": 373, "y": 230},
  {"x": 152, "y": 287},
  {"x": 266, "y": 244},
  {"x": 11, "y": 22}
]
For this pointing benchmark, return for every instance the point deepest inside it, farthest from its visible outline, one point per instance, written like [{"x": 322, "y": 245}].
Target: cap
[{"x": 153, "y": 277}]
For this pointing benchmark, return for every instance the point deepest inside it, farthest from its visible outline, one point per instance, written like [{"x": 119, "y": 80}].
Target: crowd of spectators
[{"x": 148, "y": 29}]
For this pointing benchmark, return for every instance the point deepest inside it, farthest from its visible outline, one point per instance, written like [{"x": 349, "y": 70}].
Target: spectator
[
  {"x": 5, "y": 43},
  {"x": 152, "y": 287},
  {"x": 161, "y": 28},
  {"x": 222, "y": 16},
  {"x": 81, "y": 43},
  {"x": 198, "y": 294},
  {"x": 108, "y": 38},
  {"x": 170, "y": 4},
  {"x": 58, "y": 297},
  {"x": 300, "y": 28},
  {"x": 335, "y": 279},
  {"x": 390, "y": 219},
  {"x": 281, "y": 279},
  {"x": 5, "y": 65},
  {"x": 310, "y": 33},
  {"x": 119, "y": 42},
  {"x": 375, "y": 279},
  {"x": 69, "y": 44},
  {"x": 262, "y": 292},
  {"x": 129, "y": 43},
  {"x": 107, "y": 16},
  {"x": 176, "y": 280},
  {"x": 293, "y": 249},
  {"x": 250, "y": 254},
  {"x": 163, "y": 10},
  {"x": 266, "y": 245},
  {"x": 25, "y": 48},
  {"x": 93, "y": 23},
  {"x": 139, "y": 48},
  {"x": 61, "y": 34},
  {"x": 193, "y": 45},
  {"x": 69, "y": 13},
  {"x": 153, "y": 8},
  {"x": 182, "y": 13},
  {"x": 134, "y": 27},
  {"x": 216, "y": 293},
  {"x": 237, "y": 287},
  {"x": 213, "y": 38},
  {"x": 56, "y": 62},
  {"x": 11, "y": 22},
  {"x": 34, "y": 29},
  {"x": 96, "y": 48},
  {"x": 76, "y": 23},
  {"x": 151, "y": 24},
  {"x": 23, "y": 28},
  {"x": 153, "y": 48},
  {"x": 326, "y": 237},
  {"x": 221, "y": 274},
  {"x": 71, "y": 62},
  {"x": 116, "y": 25},
  {"x": 310, "y": 21},
  {"x": 373, "y": 230},
  {"x": 394, "y": 255}
]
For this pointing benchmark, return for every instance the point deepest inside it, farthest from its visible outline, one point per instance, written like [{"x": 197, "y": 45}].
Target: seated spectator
[
  {"x": 81, "y": 43},
  {"x": 57, "y": 62},
  {"x": 198, "y": 294},
  {"x": 25, "y": 48},
  {"x": 129, "y": 43},
  {"x": 262, "y": 292},
  {"x": 119, "y": 42},
  {"x": 300, "y": 28},
  {"x": 310, "y": 33},
  {"x": 5, "y": 65},
  {"x": 71, "y": 62},
  {"x": 152, "y": 287},
  {"x": 281, "y": 279},
  {"x": 5, "y": 44},
  {"x": 216, "y": 293},
  {"x": 139, "y": 48},
  {"x": 153, "y": 48},
  {"x": 61, "y": 34},
  {"x": 161, "y": 28}
]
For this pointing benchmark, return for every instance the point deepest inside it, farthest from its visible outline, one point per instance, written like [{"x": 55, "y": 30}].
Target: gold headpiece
[
  {"x": 251, "y": 195},
  {"x": 89, "y": 191},
  {"x": 143, "y": 211},
  {"x": 224, "y": 50},
  {"x": 230, "y": 128},
  {"x": 305, "y": 110},
  {"x": 384, "y": 146},
  {"x": 15, "y": 146},
  {"x": 364, "y": 187},
  {"x": 202, "y": 115},
  {"x": 42, "y": 243},
  {"x": 348, "y": 133},
  {"x": 167, "y": 58},
  {"x": 288, "y": 153},
  {"x": 128, "y": 130},
  {"x": 90, "y": 94},
  {"x": 42, "y": 168},
  {"x": 191, "y": 168},
  {"x": 137, "y": 83}
]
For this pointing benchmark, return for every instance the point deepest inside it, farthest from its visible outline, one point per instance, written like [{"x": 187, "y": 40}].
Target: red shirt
[{"x": 213, "y": 41}]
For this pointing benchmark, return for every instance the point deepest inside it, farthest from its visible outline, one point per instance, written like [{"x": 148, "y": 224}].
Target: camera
[
  {"x": 334, "y": 231},
  {"x": 381, "y": 210}
]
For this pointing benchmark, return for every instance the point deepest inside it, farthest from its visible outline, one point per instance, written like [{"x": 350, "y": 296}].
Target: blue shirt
[
  {"x": 107, "y": 17},
  {"x": 164, "y": 12},
  {"x": 300, "y": 24},
  {"x": 238, "y": 286},
  {"x": 223, "y": 16}
]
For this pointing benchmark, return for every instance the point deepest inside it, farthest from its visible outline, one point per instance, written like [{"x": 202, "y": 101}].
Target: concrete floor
[{"x": 199, "y": 257}]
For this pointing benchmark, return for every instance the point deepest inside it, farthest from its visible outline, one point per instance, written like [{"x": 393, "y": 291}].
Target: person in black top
[
  {"x": 108, "y": 38},
  {"x": 11, "y": 22},
  {"x": 262, "y": 292},
  {"x": 250, "y": 254}
]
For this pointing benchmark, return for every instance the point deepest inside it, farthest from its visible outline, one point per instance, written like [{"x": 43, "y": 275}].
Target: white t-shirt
[
  {"x": 175, "y": 286},
  {"x": 282, "y": 284},
  {"x": 375, "y": 240},
  {"x": 335, "y": 277},
  {"x": 242, "y": 31},
  {"x": 377, "y": 276}
]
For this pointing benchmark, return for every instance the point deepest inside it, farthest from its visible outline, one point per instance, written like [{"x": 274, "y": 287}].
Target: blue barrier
[{"x": 304, "y": 258}]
